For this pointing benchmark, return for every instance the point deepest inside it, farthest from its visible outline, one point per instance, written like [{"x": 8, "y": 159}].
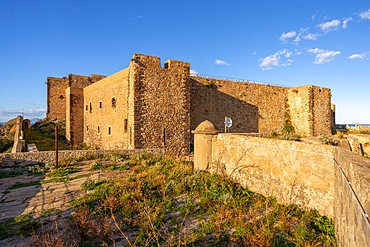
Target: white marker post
[{"x": 228, "y": 124}]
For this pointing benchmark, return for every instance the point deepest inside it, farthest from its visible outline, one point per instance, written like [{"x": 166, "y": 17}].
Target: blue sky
[{"x": 286, "y": 42}]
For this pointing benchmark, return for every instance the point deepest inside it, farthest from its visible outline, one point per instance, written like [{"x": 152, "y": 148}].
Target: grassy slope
[
  {"x": 162, "y": 201},
  {"x": 158, "y": 201},
  {"x": 43, "y": 135}
]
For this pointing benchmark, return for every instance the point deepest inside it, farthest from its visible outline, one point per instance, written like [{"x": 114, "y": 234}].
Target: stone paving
[{"x": 44, "y": 196}]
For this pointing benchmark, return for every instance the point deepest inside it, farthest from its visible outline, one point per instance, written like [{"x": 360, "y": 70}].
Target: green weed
[{"x": 21, "y": 226}]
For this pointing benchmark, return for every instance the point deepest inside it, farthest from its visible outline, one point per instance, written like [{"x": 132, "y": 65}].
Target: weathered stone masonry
[{"x": 150, "y": 106}]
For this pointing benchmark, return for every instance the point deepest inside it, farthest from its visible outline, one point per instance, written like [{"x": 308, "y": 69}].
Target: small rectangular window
[
  {"x": 90, "y": 107},
  {"x": 98, "y": 129},
  {"x": 87, "y": 107},
  {"x": 100, "y": 105},
  {"x": 109, "y": 131},
  {"x": 87, "y": 128},
  {"x": 114, "y": 102}
]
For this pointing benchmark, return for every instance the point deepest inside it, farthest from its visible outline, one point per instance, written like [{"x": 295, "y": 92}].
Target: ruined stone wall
[
  {"x": 56, "y": 88},
  {"x": 292, "y": 172},
  {"x": 252, "y": 107},
  {"x": 74, "y": 115},
  {"x": 161, "y": 102},
  {"x": 106, "y": 112},
  {"x": 19, "y": 142}
]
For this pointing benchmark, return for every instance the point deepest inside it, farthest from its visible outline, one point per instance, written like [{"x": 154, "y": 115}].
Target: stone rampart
[
  {"x": 260, "y": 108},
  {"x": 334, "y": 181},
  {"x": 292, "y": 172},
  {"x": 254, "y": 108},
  {"x": 352, "y": 201}
]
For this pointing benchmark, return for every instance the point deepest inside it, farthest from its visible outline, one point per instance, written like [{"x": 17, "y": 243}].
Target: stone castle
[{"x": 149, "y": 106}]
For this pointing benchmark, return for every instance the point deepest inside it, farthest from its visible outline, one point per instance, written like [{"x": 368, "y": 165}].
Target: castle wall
[
  {"x": 56, "y": 102},
  {"x": 56, "y": 88},
  {"x": 300, "y": 110},
  {"x": 161, "y": 102},
  {"x": 106, "y": 112},
  {"x": 310, "y": 110},
  {"x": 252, "y": 107},
  {"x": 74, "y": 115},
  {"x": 322, "y": 111}
]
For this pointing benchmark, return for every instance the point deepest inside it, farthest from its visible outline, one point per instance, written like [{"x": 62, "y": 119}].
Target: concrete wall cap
[{"x": 205, "y": 127}]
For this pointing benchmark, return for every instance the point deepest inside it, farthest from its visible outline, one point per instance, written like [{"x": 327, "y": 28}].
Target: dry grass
[{"x": 161, "y": 202}]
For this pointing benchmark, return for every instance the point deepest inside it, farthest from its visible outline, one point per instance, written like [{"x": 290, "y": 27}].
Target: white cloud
[
  {"x": 345, "y": 22},
  {"x": 310, "y": 36},
  {"x": 288, "y": 35},
  {"x": 278, "y": 59},
  {"x": 365, "y": 14},
  {"x": 7, "y": 114},
  {"x": 329, "y": 25},
  {"x": 194, "y": 73},
  {"x": 358, "y": 56},
  {"x": 221, "y": 62},
  {"x": 323, "y": 56}
]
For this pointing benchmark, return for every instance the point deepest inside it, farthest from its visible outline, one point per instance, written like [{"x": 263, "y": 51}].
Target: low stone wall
[
  {"x": 292, "y": 172},
  {"x": 65, "y": 155}
]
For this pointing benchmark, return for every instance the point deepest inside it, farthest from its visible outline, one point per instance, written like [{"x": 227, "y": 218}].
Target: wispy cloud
[
  {"x": 280, "y": 58},
  {"x": 310, "y": 36},
  {"x": 345, "y": 22},
  {"x": 221, "y": 62},
  {"x": 365, "y": 15},
  {"x": 358, "y": 56},
  {"x": 329, "y": 25},
  {"x": 288, "y": 35},
  {"x": 136, "y": 17},
  {"x": 323, "y": 56}
]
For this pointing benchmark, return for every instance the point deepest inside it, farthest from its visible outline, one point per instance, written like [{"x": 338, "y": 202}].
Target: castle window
[
  {"x": 61, "y": 97},
  {"x": 125, "y": 125},
  {"x": 166, "y": 65},
  {"x": 100, "y": 105},
  {"x": 87, "y": 108},
  {"x": 87, "y": 128},
  {"x": 109, "y": 131},
  {"x": 98, "y": 129},
  {"x": 90, "y": 107},
  {"x": 114, "y": 102}
]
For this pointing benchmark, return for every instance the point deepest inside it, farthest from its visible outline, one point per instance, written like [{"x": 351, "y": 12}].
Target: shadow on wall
[{"x": 208, "y": 103}]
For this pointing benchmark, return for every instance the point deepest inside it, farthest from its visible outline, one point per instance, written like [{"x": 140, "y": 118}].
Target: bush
[{"x": 5, "y": 143}]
